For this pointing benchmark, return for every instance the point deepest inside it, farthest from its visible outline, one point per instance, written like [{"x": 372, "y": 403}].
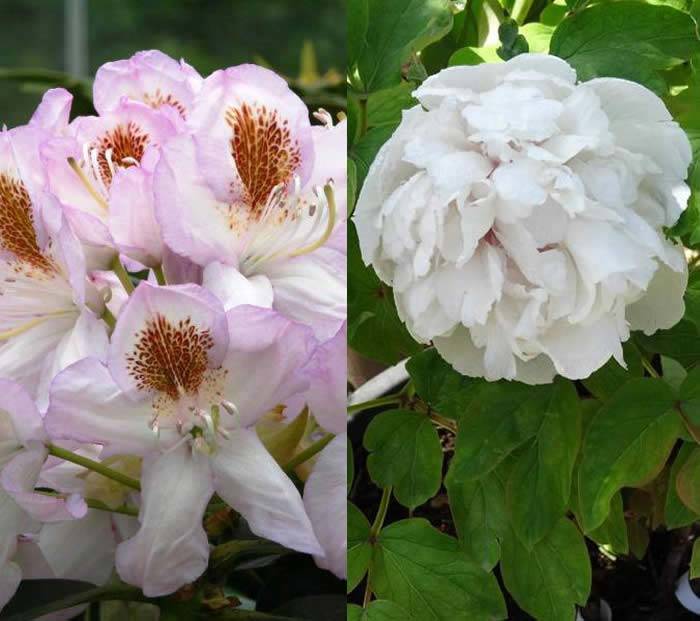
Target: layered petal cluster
[
  {"x": 172, "y": 273},
  {"x": 519, "y": 216}
]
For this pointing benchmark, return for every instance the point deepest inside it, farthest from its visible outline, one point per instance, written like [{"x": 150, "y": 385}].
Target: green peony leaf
[
  {"x": 478, "y": 508},
  {"x": 676, "y": 513},
  {"x": 695, "y": 560},
  {"x": 378, "y": 610},
  {"x": 446, "y": 391},
  {"x": 682, "y": 342},
  {"x": 504, "y": 417},
  {"x": 405, "y": 452},
  {"x": 688, "y": 481},
  {"x": 549, "y": 579},
  {"x": 474, "y": 56},
  {"x": 613, "y": 531},
  {"x": 607, "y": 380},
  {"x": 626, "y": 39},
  {"x": 374, "y": 328},
  {"x": 626, "y": 444},
  {"x": 539, "y": 485},
  {"x": 428, "y": 574},
  {"x": 395, "y": 29},
  {"x": 385, "y": 107},
  {"x": 359, "y": 546}
]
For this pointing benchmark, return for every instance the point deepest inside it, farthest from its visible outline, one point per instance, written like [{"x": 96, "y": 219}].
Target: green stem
[
  {"x": 381, "y": 514},
  {"x": 101, "y": 506},
  {"x": 308, "y": 453},
  {"x": 109, "y": 593},
  {"x": 95, "y": 466},
  {"x": 160, "y": 276},
  {"x": 520, "y": 10},
  {"x": 648, "y": 366},
  {"x": 374, "y": 403},
  {"x": 123, "y": 275}
]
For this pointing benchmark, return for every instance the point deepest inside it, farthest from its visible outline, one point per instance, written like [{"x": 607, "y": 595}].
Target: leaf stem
[
  {"x": 381, "y": 513},
  {"x": 374, "y": 403},
  {"x": 308, "y": 453},
  {"x": 95, "y": 466},
  {"x": 649, "y": 367},
  {"x": 443, "y": 422},
  {"x": 122, "y": 274}
]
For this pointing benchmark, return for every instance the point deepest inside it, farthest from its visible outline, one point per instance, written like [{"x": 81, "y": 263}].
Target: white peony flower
[{"x": 518, "y": 216}]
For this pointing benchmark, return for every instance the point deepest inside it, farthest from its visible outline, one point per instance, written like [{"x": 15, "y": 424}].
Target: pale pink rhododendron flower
[
  {"x": 135, "y": 405},
  {"x": 178, "y": 391},
  {"x": 519, "y": 217},
  {"x": 48, "y": 309}
]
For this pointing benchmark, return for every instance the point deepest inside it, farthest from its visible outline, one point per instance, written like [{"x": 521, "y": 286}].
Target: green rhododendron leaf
[
  {"x": 396, "y": 29},
  {"x": 549, "y": 579},
  {"x": 405, "y": 452},
  {"x": 626, "y": 444},
  {"x": 427, "y": 573},
  {"x": 626, "y": 39},
  {"x": 359, "y": 547},
  {"x": 539, "y": 485}
]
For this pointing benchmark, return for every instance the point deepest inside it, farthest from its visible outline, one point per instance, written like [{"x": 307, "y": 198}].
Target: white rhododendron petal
[
  {"x": 519, "y": 217},
  {"x": 250, "y": 480},
  {"x": 325, "y": 499},
  {"x": 171, "y": 547}
]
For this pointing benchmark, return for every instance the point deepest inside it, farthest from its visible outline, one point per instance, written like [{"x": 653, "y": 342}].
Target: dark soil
[{"x": 636, "y": 590}]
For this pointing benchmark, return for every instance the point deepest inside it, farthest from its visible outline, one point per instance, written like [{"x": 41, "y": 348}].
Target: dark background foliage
[{"x": 209, "y": 34}]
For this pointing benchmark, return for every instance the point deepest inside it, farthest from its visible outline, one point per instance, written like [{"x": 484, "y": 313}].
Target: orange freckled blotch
[
  {"x": 17, "y": 233},
  {"x": 128, "y": 142},
  {"x": 264, "y": 151},
  {"x": 170, "y": 358}
]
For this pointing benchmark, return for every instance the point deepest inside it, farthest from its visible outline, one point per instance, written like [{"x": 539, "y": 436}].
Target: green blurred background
[{"x": 302, "y": 39}]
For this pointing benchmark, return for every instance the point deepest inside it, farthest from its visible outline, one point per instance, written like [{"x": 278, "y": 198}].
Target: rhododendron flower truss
[
  {"x": 183, "y": 384},
  {"x": 519, "y": 217}
]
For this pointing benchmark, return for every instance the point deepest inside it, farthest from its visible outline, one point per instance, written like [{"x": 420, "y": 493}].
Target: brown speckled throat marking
[
  {"x": 17, "y": 234},
  {"x": 264, "y": 151},
  {"x": 126, "y": 141},
  {"x": 158, "y": 99},
  {"x": 170, "y": 358}
]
